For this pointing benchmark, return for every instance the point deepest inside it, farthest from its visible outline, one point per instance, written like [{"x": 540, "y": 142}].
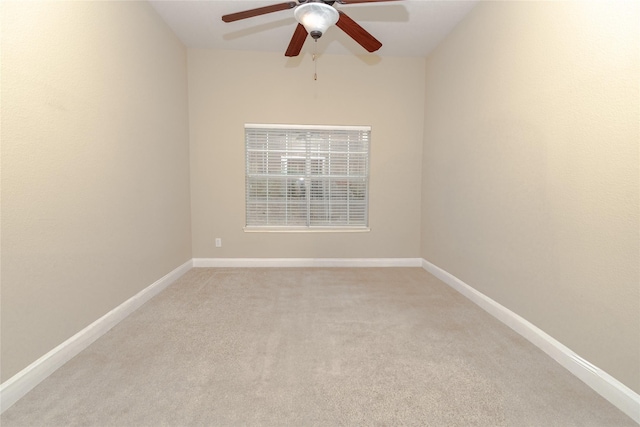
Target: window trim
[
  {"x": 305, "y": 127},
  {"x": 310, "y": 229},
  {"x": 328, "y": 229}
]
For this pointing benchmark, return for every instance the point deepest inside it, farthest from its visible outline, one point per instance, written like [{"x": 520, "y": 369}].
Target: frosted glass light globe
[{"x": 316, "y": 17}]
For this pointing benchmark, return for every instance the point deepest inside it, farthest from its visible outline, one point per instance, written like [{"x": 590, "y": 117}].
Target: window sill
[{"x": 306, "y": 230}]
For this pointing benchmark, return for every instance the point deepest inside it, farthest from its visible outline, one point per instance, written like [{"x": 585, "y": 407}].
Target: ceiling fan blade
[
  {"x": 358, "y": 33},
  {"x": 259, "y": 11},
  {"x": 295, "y": 45},
  {"x": 361, "y": 1}
]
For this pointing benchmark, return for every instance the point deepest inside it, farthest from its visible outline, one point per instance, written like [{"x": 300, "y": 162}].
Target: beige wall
[
  {"x": 229, "y": 89},
  {"x": 95, "y": 166},
  {"x": 530, "y": 185}
]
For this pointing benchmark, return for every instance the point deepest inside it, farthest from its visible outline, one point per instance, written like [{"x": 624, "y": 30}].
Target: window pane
[{"x": 307, "y": 177}]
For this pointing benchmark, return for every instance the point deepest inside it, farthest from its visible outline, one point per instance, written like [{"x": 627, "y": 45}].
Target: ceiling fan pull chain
[{"x": 315, "y": 63}]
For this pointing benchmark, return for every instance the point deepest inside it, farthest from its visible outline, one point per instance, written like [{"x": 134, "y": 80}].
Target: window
[{"x": 307, "y": 177}]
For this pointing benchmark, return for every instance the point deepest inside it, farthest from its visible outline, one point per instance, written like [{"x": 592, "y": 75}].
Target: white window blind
[{"x": 307, "y": 177}]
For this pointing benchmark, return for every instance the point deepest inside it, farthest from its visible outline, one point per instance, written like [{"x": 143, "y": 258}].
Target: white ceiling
[{"x": 405, "y": 28}]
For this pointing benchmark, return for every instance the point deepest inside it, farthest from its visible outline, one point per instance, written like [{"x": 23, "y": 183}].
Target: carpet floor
[{"x": 311, "y": 347}]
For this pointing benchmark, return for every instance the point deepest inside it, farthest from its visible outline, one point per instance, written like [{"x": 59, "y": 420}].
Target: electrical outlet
[{"x": 218, "y": 242}]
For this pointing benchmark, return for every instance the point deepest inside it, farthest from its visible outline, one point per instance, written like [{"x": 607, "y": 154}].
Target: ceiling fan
[{"x": 314, "y": 17}]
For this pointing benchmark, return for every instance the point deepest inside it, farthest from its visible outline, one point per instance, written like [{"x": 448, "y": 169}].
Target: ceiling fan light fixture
[{"x": 316, "y": 17}]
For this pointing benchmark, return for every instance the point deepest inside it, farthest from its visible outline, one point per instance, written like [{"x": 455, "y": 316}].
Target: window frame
[{"x": 309, "y": 156}]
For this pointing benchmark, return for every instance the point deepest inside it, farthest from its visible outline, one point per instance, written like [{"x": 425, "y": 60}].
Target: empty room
[{"x": 320, "y": 213}]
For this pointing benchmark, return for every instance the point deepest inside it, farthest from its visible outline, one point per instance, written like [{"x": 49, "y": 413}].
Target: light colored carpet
[{"x": 312, "y": 347}]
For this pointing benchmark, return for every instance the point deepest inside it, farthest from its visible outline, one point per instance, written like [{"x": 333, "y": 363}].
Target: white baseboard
[
  {"x": 307, "y": 262},
  {"x": 24, "y": 381},
  {"x": 604, "y": 384}
]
